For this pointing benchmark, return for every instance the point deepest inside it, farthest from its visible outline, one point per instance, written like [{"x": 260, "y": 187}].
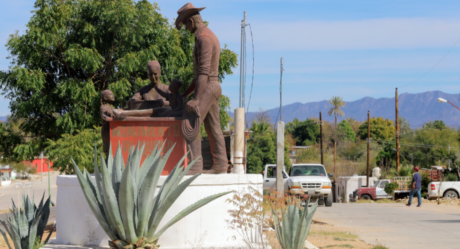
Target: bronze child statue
[
  {"x": 176, "y": 101},
  {"x": 108, "y": 98}
]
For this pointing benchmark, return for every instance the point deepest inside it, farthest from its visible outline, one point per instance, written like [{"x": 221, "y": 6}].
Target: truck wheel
[
  {"x": 451, "y": 194},
  {"x": 365, "y": 197},
  {"x": 321, "y": 201},
  {"x": 328, "y": 201}
]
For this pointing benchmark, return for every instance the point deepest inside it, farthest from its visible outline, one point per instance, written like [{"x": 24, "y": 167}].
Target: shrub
[
  {"x": 391, "y": 187},
  {"x": 451, "y": 178}
]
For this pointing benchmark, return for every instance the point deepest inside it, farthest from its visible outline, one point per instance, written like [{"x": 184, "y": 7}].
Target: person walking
[{"x": 416, "y": 187}]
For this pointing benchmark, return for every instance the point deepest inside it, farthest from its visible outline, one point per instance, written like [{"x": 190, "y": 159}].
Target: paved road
[{"x": 397, "y": 226}]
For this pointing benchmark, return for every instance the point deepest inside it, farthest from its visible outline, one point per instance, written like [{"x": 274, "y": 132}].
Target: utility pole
[
  {"x": 281, "y": 89},
  {"x": 243, "y": 60},
  {"x": 239, "y": 118},
  {"x": 397, "y": 131},
  {"x": 280, "y": 158},
  {"x": 280, "y": 142},
  {"x": 321, "y": 136},
  {"x": 368, "y": 144},
  {"x": 449, "y": 156}
]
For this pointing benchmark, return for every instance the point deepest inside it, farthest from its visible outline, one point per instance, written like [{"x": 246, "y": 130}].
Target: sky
[{"x": 350, "y": 49}]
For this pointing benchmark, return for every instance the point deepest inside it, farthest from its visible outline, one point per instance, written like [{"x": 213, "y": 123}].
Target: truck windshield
[{"x": 308, "y": 170}]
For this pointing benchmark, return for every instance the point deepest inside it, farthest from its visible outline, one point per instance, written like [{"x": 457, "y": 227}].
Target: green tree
[
  {"x": 437, "y": 124},
  {"x": 337, "y": 103},
  {"x": 381, "y": 129},
  {"x": 73, "y": 50},
  {"x": 404, "y": 126},
  {"x": 387, "y": 156},
  {"x": 306, "y": 132},
  {"x": 261, "y": 151},
  {"x": 77, "y": 147},
  {"x": 345, "y": 132},
  {"x": 261, "y": 148}
]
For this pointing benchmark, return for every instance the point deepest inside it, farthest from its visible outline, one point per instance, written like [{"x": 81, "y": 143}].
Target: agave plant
[
  {"x": 122, "y": 198},
  {"x": 26, "y": 225},
  {"x": 292, "y": 223}
]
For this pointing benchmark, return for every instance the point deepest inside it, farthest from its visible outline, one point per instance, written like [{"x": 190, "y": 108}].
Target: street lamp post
[{"x": 441, "y": 100}]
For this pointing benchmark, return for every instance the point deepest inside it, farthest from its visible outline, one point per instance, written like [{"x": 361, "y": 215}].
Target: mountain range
[{"x": 416, "y": 108}]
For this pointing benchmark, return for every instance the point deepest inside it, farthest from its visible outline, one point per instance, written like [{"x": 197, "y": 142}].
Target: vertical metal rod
[
  {"x": 242, "y": 56},
  {"x": 321, "y": 136},
  {"x": 41, "y": 173},
  {"x": 397, "y": 131},
  {"x": 49, "y": 184},
  {"x": 281, "y": 88},
  {"x": 368, "y": 144}
]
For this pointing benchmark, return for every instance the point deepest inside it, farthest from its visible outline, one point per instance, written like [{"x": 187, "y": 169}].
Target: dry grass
[{"x": 327, "y": 236}]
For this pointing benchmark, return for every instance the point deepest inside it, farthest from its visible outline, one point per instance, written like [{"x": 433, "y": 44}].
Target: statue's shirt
[
  {"x": 149, "y": 93},
  {"x": 206, "y": 54}
]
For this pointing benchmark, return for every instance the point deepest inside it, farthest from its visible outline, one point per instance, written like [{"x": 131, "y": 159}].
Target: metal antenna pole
[
  {"x": 281, "y": 90},
  {"x": 242, "y": 60}
]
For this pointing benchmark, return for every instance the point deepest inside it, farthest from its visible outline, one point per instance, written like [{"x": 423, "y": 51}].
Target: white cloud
[{"x": 386, "y": 33}]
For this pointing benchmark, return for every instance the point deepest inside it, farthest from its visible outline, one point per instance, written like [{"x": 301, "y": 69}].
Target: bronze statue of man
[
  {"x": 204, "y": 107},
  {"x": 149, "y": 92}
]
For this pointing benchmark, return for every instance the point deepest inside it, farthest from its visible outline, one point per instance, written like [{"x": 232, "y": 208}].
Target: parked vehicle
[
  {"x": 311, "y": 180},
  {"x": 270, "y": 177},
  {"x": 306, "y": 180},
  {"x": 443, "y": 189},
  {"x": 378, "y": 190}
]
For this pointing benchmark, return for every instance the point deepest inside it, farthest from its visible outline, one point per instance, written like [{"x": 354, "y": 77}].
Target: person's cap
[
  {"x": 416, "y": 168},
  {"x": 185, "y": 12}
]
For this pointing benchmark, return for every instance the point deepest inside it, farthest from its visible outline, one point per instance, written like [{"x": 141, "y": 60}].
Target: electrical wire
[
  {"x": 434, "y": 65},
  {"x": 252, "y": 83}
]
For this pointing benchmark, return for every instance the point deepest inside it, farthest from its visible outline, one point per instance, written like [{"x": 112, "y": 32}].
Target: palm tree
[
  {"x": 404, "y": 126},
  {"x": 337, "y": 103}
]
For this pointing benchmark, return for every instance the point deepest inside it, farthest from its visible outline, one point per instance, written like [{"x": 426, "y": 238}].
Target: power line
[
  {"x": 434, "y": 65},
  {"x": 252, "y": 83}
]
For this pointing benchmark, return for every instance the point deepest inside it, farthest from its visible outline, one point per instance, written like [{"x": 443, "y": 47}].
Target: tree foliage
[
  {"x": 437, "y": 124},
  {"x": 304, "y": 132},
  {"x": 79, "y": 147},
  {"x": 336, "y": 109},
  {"x": 345, "y": 132},
  {"x": 381, "y": 129},
  {"x": 261, "y": 148},
  {"x": 73, "y": 50}
]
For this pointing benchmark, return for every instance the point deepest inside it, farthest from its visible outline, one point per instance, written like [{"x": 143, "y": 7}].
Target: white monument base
[{"x": 204, "y": 228}]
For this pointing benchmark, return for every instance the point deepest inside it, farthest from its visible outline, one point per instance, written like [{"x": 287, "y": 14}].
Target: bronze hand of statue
[{"x": 192, "y": 106}]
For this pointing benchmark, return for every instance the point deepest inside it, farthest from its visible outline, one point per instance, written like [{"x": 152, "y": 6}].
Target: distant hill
[
  {"x": 416, "y": 108},
  {"x": 3, "y": 118}
]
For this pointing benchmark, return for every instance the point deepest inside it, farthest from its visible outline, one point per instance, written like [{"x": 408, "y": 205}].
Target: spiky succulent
[
  {"x": 27, "y": 224},
  {"x": 123, "y": 198},
  {"x": 292, "y": 223}
]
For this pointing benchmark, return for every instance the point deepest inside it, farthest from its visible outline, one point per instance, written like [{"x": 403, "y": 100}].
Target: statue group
[{"x": 160, "y": 100}]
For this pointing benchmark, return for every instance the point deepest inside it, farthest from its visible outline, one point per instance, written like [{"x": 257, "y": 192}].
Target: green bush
[
  {"x": 451, "y": 178},
  {"x": 391, "y": 187}
]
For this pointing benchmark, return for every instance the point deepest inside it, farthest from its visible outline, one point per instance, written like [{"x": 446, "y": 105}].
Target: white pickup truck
[
  {"x": 303, "y": 180},
  {"x": 445, "y": 189}
]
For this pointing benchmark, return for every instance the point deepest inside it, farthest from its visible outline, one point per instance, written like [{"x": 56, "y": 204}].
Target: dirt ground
[{"x": 329, "y": 236}]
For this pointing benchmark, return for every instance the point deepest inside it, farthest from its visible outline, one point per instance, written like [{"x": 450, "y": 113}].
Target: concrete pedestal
[{"x": 204, "y": 228}]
